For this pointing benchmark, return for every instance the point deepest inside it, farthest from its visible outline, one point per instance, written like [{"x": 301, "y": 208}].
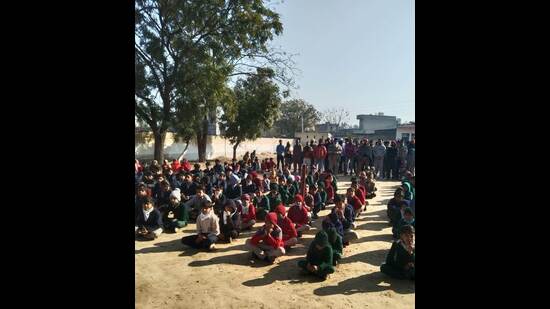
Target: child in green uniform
[
  {"x": 319, "y": 257},
  {"x": 261, "y": 203},
  {"x": 181, "y": 215},
  {"x": 274, "y": 197},
  {"x": 400, "y": 260},
  {"x": 335, "y": 241},
  {"x": 283, "y": 191}
]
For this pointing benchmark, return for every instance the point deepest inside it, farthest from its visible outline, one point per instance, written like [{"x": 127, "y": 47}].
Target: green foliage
[
  {"x": 185, "y": 51},
  {"x": 292, "y": 112},
  {"x": 257, "y": 101}
]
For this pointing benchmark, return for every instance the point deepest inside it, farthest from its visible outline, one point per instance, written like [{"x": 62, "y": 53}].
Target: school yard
[{"x": 167, "y": 276}]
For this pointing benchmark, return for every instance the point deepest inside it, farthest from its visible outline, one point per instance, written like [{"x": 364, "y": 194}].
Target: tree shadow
[
  {"x": 373, "y": 282},
  {"x": 286, "y": 270},
  {"x": 375, "y": 257}
]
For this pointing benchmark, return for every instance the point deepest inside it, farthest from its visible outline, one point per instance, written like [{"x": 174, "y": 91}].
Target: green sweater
[
  {"x": 274, "y": 201},
  {"x": 263, "y": 203},
  {"x": 181, "y": 214},
  {"x": 322, "y": 258},
  {"x": 284, "y": 194},
  {"x": 398, "y": 257}
]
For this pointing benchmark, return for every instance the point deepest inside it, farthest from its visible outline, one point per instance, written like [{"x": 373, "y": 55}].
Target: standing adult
[
  {"x": 411, "y": 164},
  {"x": 280, "y": 154},
  {"x": 365, "y": 154},
  {"x": 349, "y": 152},
  {"x": 391, "y": 159},
  {"x": 378, "y": 152},
  {"x": 401, "y": 158},
  {"x": 297, "y": 156},
  {"x": 334, "y": 151},
  {"x": 308, "y": 155},
  {"x": 319, "y": 154},
  {"x": 288, "y": 154}
]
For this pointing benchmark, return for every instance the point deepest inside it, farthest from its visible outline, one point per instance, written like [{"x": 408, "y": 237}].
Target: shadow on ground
[
  {"x": 287, "y": 270},
  {"x": 373, "y": 282},
  {"x": 375, "y": 257}
]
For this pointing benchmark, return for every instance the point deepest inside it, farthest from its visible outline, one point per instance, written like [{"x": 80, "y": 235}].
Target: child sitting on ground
[
  {"x": 267, "y": 244},
  {"x": 407, "y": 219},
  {"x": 370, "y": 186},
  {"x": 335, "y": 241},
  {"x": 394, "y": 206},
  {"x": 401, "y": 258},
  {"x": 180, "y": 213},
  {"x": 148, "y": 223},
  {"x": 230, "y": 222},
  {"x": 345, "y": 214},
  {"x": 247, "y": 212},
  {"x": 290, "y": 236},
  {"x": 299, "y": 215},
  {"x": 208, "y": 229},
  {"x": 261, "y": 202},
  {"x": 354, "y": 201},
  {"x": 319, "y": 258},
  {"x": 318, "y": 204}
]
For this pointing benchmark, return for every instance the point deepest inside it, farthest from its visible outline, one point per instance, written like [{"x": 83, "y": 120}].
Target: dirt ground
[{"x": 169, "y": 276}]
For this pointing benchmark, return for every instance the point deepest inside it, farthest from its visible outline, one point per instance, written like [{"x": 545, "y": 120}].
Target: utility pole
[{"x": 302, "y": 123}]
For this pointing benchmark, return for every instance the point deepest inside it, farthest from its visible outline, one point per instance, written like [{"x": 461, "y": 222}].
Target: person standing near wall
[
  {"x": 319, "y": 154},
  {"x": 334, "y": 151},
  {"x": 401, "y": 158},
  {"x": 411, "y": 164},
  {"x": 349, "y": 152},
  {"x": 288, "y": 154},
  {"x": 297, "y": 156},
  {"x": 308, "y": 155},
  {"x": 378, "y": 152},
  {"x": 280, "y": 154}
]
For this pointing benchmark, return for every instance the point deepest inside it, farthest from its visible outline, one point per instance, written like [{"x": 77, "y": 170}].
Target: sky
[{"x": 352, "y": 54}]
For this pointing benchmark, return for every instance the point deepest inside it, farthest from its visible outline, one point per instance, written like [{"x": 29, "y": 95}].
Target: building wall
[
  {"x": 216, "y": 146},
  {"x": 404, "y": 130},
  {"x": 308, "y": 136},
  {"x": 369, "y": 123}
]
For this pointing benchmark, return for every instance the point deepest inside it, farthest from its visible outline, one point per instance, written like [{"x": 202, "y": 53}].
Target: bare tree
[{"x": 335, "y": 115}]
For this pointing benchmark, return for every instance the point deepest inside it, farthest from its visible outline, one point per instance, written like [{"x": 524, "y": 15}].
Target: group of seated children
[{"x": 400, "y": 260}]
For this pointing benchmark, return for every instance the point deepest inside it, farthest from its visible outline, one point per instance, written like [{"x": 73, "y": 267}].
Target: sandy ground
[{"x": 169, "y": 276}]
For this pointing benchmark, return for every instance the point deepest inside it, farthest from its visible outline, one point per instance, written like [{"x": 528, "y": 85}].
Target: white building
[
  {"x": 370, "y": 123},
  {"x": 405, "y": 132}
]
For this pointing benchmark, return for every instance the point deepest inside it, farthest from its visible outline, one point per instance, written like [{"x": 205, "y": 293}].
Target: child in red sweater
[
  {"x": 299, "y": 215},
  {"x": 354, "y": 201},
  {"x": 267, "y": 244},
  {"x": 329, "y": 189},
  {"x": 247, "y": 211},
  {"x": 290, "y": 236}
]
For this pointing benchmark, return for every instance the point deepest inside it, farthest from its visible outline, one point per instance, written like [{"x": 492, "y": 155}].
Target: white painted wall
[
  {"x": 216, "y": 146},
  {"x": 401, "y": 130}
]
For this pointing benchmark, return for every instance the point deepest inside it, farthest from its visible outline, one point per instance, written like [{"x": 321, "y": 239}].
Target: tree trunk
[
  {"x": 202, "y": 135},
  {"x": 235, "y": 150},
  {"x": 184, "y": 151},
  {"x": 159, "y": 146}
]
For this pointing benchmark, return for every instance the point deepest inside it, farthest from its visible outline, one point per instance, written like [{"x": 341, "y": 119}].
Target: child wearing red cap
[
  {"x": 299, "y": 215},
  {"x": 290, "y": 235},
  {"x": 267, "y": 244}
]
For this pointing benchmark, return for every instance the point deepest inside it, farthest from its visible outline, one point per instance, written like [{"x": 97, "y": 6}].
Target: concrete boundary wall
[{"x": 216, "y": 146}]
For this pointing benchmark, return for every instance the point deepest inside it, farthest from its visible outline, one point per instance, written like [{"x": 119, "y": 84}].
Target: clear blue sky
[{"x": 355, "y": 54}]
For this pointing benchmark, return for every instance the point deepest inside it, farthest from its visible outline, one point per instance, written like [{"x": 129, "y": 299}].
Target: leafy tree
[
  {"x": 292, "y": 112},
  {"x": 257, "y": 102},
  {"x": 185, "y": 51}
]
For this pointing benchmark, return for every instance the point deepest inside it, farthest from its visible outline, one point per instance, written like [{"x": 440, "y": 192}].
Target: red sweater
[
  {"x": 361, "y": 194},
  {"x": 320, "y": 152},
  {"x": 274, "y": 239},
  {"x": 289, "y": 231},
  {"x": 330, "y": 190},
  {"x": 355, "y": 202},
  {"x": 186, "y": 166},
  {"x": 250, "y": 214},
  {"x": 298, "y": 215}
]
